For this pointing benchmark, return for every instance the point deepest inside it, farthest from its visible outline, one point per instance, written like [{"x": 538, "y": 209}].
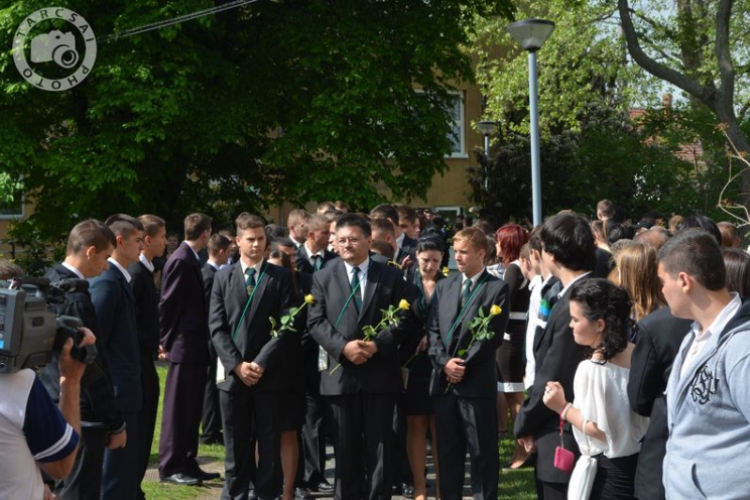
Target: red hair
[{"x": 511, "y": 238}]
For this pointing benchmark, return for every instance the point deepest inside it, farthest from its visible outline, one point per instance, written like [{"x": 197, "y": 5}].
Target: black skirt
[
  {"x": 417, "y": 399},
  {"x": 615, "y": 478}
]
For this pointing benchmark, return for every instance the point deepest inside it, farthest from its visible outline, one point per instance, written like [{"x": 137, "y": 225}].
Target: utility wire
[{"x": 177, "y": 20}]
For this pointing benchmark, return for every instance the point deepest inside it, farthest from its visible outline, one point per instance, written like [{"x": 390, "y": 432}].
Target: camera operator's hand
[
  {"x": 70, "y": 368},
  {"x": 162, "y": 353},
  {"x": 117, "y": 440}
]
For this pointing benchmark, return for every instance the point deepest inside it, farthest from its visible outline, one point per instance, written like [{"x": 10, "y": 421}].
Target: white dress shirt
[
  {"x": 73, "y": 270},
  {"x": 144, "y": 260},
  {"x": 363, "y": 267},
  {"x": 122, "y": 269}
]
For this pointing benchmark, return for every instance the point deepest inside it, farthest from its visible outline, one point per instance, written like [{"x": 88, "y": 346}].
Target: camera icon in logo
[{"x": 55, "y": 46}]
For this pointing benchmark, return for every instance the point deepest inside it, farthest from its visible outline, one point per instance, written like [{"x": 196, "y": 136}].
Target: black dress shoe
[
  {"x": 321, "y": 487},
  {"x": 182, "y": 479},
  {"x": 303, "y": 494},
  {"x": 206, "y": 476}
]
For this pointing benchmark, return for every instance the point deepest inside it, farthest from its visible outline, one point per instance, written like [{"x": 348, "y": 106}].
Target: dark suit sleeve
[
  {"x": 514, "y": 278},
  {"x": 438, "y": 353},
  {"x": 482, "y": 350},
  {"x": 646, "y": 373},
  {"x": 104, "y": 295},
  {"x": 218, "y": 324},
  {"x": 208, "y": 284},
  {"x": 559, "y": 364},
  {"x": 272, "y": 351},
  {"x": 317, "y": 322}
]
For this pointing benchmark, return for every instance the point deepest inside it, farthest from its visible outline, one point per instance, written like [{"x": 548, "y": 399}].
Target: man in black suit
[
  {"x": 568, "y": 252},
  {"x": 147, "y": 319},
  {"x": 406, "y": 247},
  {"x": 183, "y": 320},
  {"x": 90, "y": 244},
  {"x": 466, "y": 410},
  {"x": 314, "y": 255},
  {"x": 243, "y": 298},
  {"x": 115, "y": 308},
  {"x": 297, "y": 224},
  {"x": 349, "y": 295},
  {"x": 659, "y": 336},
  {"x": 218, "y": 255}
]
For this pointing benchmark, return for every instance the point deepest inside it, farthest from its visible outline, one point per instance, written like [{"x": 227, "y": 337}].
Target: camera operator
[
  {"x": 34, "y": 433},
  {"x": 90, "y": 244}
]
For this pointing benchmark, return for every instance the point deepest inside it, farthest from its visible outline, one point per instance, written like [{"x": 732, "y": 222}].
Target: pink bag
[{"x": 564, "y": 459}]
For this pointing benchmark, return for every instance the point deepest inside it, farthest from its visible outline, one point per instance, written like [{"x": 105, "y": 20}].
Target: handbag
[
  {"x": 564, "y": 459},
  {"x": 584, "y": 473}
]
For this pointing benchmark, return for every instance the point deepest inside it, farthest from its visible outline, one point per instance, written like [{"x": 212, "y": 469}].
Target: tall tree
[{"x": 299, "y": 100}]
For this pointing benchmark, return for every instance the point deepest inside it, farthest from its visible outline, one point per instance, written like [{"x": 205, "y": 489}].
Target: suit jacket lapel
[
  {"x": 471, "y": 309},
  {"x": 373, "y": 276},
  {"x": 342, "y": 280},
  {"x": 454, "y": 293},
  {"x": 260, "y": 287}
]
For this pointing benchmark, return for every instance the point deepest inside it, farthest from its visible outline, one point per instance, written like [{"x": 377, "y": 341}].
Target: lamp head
[
  {"x": 531, "y": 33},
  {"x": 487, "y": 127}
]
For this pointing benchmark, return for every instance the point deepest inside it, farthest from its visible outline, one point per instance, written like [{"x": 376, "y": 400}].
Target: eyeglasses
[{"x": 353, "y": 241}]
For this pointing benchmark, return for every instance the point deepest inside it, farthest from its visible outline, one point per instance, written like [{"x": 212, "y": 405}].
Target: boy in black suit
[
  {"x": 115, "y": 308},
  {"x": 314, "y": 255},
  {"x": 349, "y": 295},
  {"x": 568, "y": 252},
  {"x": 465, "y": 410},
  {"x": 218, "y": 255},
  {"x": 147, "y": 319},
  {"x": 243, "y": 298},
  {"x": 90, "y": 244}
]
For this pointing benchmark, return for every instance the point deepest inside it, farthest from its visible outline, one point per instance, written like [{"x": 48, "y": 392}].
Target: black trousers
[
  {"x": 85, "y": 480},
  {"x": 463, "y": 423},
  {"x": 362, "y": 431},
  {"x": 147, "y": 415},
  {"x": 121, "y": 471},
  {"x": 551, "y": 491},
  {"x": 401, "y": 467},
  {"x": 211, "y": 419},
  {"x": 181, "y": 419},
  {"x": 311, "y": 469},
  {"x": 239, "y": 410}
]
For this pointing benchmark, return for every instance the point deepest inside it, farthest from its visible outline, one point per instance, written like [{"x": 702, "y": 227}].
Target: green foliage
[{"x": 278, "y": 101}]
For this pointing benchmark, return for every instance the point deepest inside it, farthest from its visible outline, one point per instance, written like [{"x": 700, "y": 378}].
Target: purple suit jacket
[{"x": 183, "y": 312}]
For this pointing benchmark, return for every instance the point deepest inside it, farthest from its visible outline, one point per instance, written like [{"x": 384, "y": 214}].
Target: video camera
[{"x": 30, "y": 331}]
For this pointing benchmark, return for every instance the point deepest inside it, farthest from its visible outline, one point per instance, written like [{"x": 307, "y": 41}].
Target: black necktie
[
  {"x": 355, "y": 288},
  {"x": 466, "y": 293},
  {"x": 250, "y": 281}
]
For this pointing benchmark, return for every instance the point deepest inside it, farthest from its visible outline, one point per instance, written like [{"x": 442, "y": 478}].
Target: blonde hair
[
  {"x": 636, "y": 266},
  {"x": 475, "y": 237}
]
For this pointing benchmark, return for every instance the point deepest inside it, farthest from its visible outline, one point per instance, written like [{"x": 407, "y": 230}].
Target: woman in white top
[{"x": 600, "y": 315}]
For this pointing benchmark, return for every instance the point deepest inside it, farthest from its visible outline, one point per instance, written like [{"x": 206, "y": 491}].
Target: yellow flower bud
[
  {"x": 446, "y": 271},
  {"x": 403, "y": 305},
  {"x": 495, "y": 310},
  {"x": 309, "y": 299}
]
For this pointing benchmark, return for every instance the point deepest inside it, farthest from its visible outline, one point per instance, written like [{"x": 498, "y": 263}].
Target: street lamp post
[
  {"x": 487, "y": 129},
  {"x": 531, "y": 35}
]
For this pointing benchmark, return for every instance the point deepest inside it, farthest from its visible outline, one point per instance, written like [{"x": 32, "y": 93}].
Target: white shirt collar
[
  {"x": 474, "y": 278},
  {"x": 320, "y": 253},
  {"x": 700, "y": 339},
  {"x": 144, "y": 260},
  {"x": 213, "y": 264},
  {"x": 400, "y": 241},
  {"x": 562, "y": 292},
  {"x": 536, "y": 281},
  {"x": 122, "y": 269},
  {"x": 194, "y": 252},
  {"x": 363, "y": 267},
  {"x": 257, "y": 268},
  {"x": 73, "y": 270},
  {"x": 296, "y": 243}
]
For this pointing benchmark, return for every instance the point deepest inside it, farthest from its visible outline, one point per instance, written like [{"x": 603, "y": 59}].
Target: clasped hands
[
  {"x": 249, "y": 372},
  {"x": 359, "y": 351},
  {"x": 454, "y": 370}
]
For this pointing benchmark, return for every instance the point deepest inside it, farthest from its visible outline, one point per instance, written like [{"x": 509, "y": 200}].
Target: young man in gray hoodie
[{"x": 708, "y": 400}]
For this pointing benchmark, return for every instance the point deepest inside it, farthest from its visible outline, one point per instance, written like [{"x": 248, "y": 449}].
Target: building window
[
  {"x": 11, "y": 207},
  {"x": 458, "y": 130}
]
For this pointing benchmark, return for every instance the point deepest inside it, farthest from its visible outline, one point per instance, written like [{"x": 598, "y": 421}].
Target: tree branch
[
  {"x": 703, "y": 93},
  {"x": 724, "y": 56}
]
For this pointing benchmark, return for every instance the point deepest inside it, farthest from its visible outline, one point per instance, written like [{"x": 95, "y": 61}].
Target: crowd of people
[{"x": 394, "y": 338}]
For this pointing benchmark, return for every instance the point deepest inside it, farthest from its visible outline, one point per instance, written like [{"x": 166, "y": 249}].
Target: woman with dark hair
[
  {"x": 509, "y": 240},
  {"x": 700, "y": 222},
  {"x": 417, "y": 402},
  {"x": 737, "y": 263},
  {"x": 603, "y": 423},
  {"x": 293, "y": 398}
]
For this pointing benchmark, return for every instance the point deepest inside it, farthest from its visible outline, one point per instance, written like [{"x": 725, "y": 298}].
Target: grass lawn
[{"x": 514, "y": 484}]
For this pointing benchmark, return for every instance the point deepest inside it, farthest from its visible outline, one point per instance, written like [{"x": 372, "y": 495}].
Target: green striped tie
[
  {"x": 355, "y": 287},
  {"x": 250, "y": 281}
]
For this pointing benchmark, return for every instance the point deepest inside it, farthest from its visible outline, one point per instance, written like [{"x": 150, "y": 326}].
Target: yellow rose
[
  {"x": 309, "y": 299},
  {"x": 495, "y": 310},
  {"x": 446, "y": 271},
  {"x": 403, "y": 305}
]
